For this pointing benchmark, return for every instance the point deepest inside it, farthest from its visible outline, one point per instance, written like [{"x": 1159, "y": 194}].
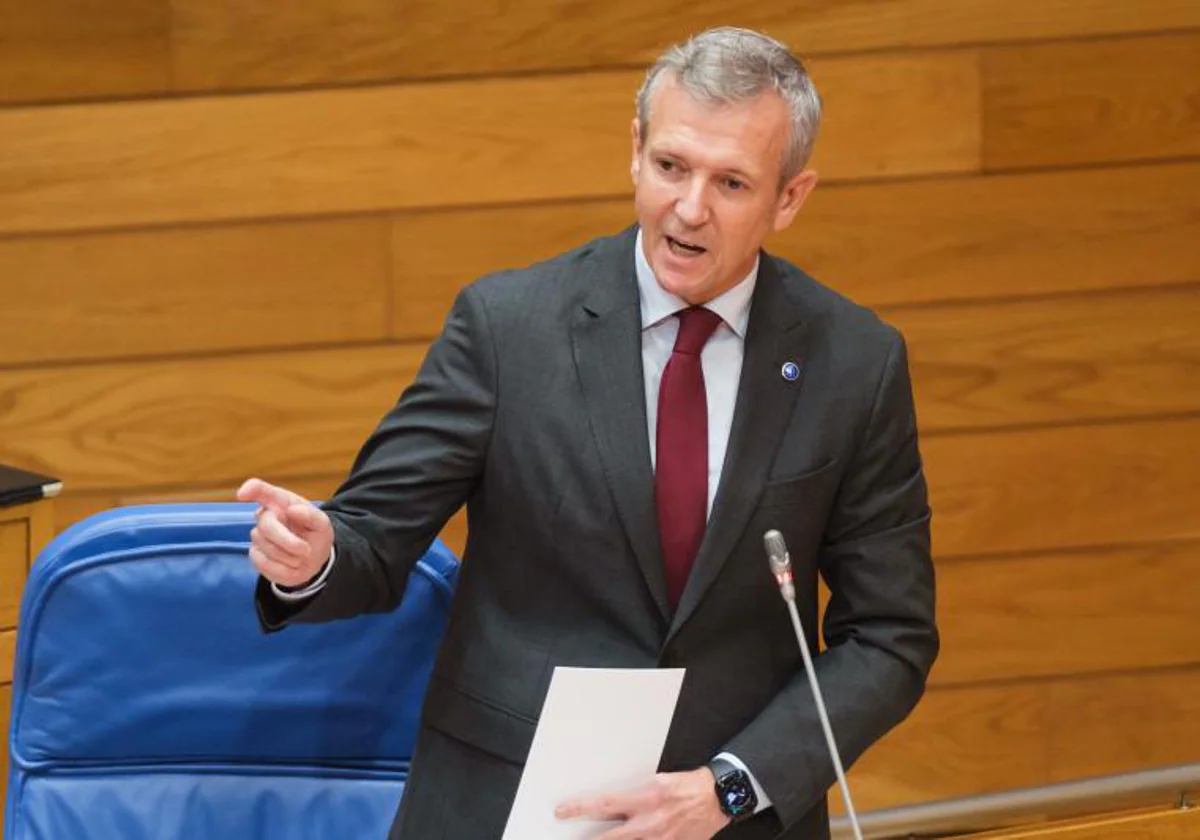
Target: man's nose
[{"x": 692, "y": 207}]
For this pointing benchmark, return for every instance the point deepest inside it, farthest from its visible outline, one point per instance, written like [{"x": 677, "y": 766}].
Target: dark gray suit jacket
[{"x": 530, "y": 408}]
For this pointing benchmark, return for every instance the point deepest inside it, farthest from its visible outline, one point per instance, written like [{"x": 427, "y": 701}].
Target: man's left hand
[{"x": 675, "y": 806}]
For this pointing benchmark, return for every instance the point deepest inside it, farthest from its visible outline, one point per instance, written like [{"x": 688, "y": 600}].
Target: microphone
[
  {"x": 781, "y": 564},
  {"x": 781, "y": 568}
]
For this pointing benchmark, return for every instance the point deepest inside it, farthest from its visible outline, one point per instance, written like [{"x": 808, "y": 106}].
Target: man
[{"x": 623, "y": 423}]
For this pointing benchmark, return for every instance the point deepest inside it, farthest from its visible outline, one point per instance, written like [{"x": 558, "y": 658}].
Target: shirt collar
[{"x": 658, "y": 304}]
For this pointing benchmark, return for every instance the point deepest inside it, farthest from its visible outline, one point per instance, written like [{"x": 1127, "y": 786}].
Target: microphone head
[{"x": 777, "y": 552}]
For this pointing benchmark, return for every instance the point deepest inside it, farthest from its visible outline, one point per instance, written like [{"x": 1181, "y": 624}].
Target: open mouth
[{"x": 684, "y": 249}]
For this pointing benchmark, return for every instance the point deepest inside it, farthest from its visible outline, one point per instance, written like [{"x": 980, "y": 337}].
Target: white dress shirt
[
  {"x": 721, "y": 358},
  {"x": 721, "y": 361}
]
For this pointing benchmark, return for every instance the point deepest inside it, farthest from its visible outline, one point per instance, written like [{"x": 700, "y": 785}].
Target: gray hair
[{"x": 729, "y": 65}]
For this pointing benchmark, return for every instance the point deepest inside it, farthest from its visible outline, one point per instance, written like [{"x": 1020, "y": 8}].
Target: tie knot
[{"x": 696, "y": 326}]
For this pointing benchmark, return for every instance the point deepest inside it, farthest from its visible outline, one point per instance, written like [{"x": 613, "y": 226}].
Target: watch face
[{"x": 737, "y": 794}]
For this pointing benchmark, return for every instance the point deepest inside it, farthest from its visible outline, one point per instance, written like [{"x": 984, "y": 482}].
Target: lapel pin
[{"x": 790, "y": 371}]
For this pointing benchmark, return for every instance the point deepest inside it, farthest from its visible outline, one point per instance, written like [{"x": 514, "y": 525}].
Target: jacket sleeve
[
  {"x": 415, "y": 470},
  {"x": 879, "y": 628}
]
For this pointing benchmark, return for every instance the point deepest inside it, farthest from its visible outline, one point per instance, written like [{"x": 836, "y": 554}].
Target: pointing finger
[
  {"x": 250, "y": 490},
  {"x": 267, "y": 495}
]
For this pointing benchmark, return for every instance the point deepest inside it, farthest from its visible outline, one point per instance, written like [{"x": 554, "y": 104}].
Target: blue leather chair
[{"x": 147, "y": 704}]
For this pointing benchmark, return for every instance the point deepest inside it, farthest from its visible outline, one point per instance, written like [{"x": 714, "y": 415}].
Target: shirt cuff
[
  {"x": 310, "y": 590},
  {"x": 764, "y": 801}
]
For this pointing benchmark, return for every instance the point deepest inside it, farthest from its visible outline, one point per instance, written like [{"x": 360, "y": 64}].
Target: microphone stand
[{"x": 781, "y": 567}]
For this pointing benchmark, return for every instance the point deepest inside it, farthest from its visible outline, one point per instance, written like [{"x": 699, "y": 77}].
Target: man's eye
[
  {"x": 666, "y": 165},
  {"x": 734, "y": 184}
]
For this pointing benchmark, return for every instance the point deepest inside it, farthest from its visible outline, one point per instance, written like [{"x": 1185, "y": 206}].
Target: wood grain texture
[
  {"x": 1093, "y": 102},
  {"x": 8, "y": 652},
  {"x": 427, "y": 145},
  {"x": 41, "y": 527},
  {"x": 14, "y": 554},
  {"x": 230, "y": 44},
  {"x": 5, "y": 717},
  {"x": 1051, "y": 614},
  {"x": 981, "y": 739},
  {"x": 1061, "y": 360},
  {"x": 193, "y": 290},
  {"x": 898, "y": 114},
  {"x": 957, "y": 742},
  {"x": 1065, "y": 486},
  {"x": 1157, "y": 824},
  {"x": 335, "y": 151},
  {"x": 202, "y": 421},
  {"x": 1134, "y": 721},
  {"x": 76, "y": 49},
  {"x": 881, "y": 244},
  {"x": 1001, "y": 236}
]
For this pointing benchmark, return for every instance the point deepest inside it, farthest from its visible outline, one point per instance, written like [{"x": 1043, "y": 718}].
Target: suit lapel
[
  {"x": 607, "y": 344},
  {"x": 776, "y": 334}
]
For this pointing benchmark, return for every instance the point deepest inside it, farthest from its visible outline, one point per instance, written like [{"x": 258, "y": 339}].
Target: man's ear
[
  {"x": 792, "y": 197},
  {"x": 635, "y": 165}
]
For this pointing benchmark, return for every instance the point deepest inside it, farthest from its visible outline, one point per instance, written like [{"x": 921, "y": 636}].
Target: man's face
[{"x": 707, "y": 191}]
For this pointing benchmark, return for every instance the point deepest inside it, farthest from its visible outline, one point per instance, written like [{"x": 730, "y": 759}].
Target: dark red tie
[{"x": 681, "y": 453}]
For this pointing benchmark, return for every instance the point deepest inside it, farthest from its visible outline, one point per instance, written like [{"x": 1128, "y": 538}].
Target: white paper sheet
[{"x": 602, "y": 730}]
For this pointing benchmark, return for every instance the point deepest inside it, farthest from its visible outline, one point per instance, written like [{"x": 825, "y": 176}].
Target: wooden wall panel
[
  {"x": 14, "y": 547},
  {"x": 5, "y": 716},
  {"x": 7, "y": 648},
  {"x": 1073, "y": 359},
  {"x": 1001, "y": 236},
  {"x": 227, "y": 44},
  {"x": 987, "y": 738},
  {"x": 957, "y": 742},
  {"x": 204, "y": 421},
  {"x": 8, "y": 652},
  {"x": 1041, "y": 615},
  {"x": 882, "y": 244},
  {"x": 192, "y": 290},
  {"x": 75, "y": 49},
  {"x": 428, "y": 145},
  {"x": 1092, "y": 102},
  {"x": 899, "y": 114},
  {"x": 1164, "y": 822},
  {"x": 1064, "y": 486},
  {"x": 137, "y": 163},
  {"x": 1132, "y": 721}
]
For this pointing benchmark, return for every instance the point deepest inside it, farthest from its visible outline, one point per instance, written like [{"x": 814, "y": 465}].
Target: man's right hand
[{"x": 293, "y": 537}]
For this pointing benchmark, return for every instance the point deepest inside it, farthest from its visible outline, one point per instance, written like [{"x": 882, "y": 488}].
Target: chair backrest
[{"x": 147, "y": 704}]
